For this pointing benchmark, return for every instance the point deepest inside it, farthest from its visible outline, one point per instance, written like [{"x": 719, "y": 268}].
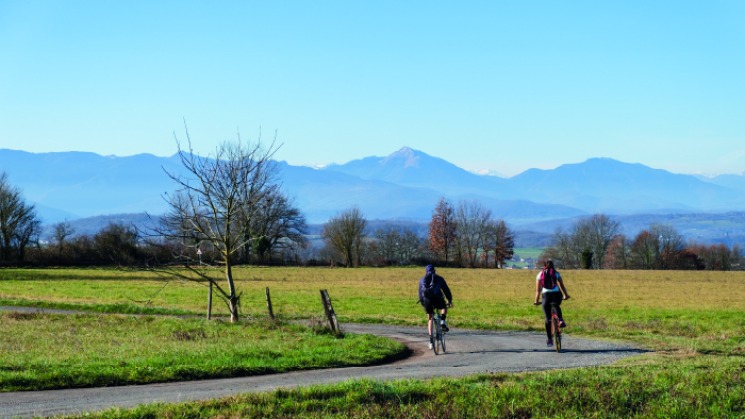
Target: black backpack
[
  {"x": 548, "y": 278},
  {"x": 431, "y": 287}
]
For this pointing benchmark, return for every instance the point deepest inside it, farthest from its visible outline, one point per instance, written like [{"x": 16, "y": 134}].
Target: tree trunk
[
  {"x": 232, "y": 297},
  {"x": 233, "y": 309}
]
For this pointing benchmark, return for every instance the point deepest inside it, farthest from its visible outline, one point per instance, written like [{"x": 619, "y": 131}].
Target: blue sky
[{"x": 487, "y": 85}]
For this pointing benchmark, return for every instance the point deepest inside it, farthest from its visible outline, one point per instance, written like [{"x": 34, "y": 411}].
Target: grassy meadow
[{"x": 693, "y": 322}]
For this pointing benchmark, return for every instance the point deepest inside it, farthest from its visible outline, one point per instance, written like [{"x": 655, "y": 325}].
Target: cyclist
[
  {"x": 549, "y": 283},
  {"x": 433, "y": 290}
]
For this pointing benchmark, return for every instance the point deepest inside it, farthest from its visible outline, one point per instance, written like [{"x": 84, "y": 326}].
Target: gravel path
[{"x": 469, "y": 352}]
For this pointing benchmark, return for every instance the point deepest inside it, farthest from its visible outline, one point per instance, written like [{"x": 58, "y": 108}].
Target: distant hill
[
  {"x": 728, "y": 181},
  {"x": 75, "y": 185},
  {"x": 416, "y": 169},
  {"x": 609, "y": 186},
  {"x": 596, "y": 185},
  {"x": 404, "y": 185}
]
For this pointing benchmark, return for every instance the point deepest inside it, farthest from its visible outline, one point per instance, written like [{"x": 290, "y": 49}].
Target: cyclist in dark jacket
[{"x": 433, "y": 292}]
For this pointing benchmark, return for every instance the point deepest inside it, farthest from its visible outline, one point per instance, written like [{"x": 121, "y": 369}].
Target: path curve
[{"x": 469, "y": 352}]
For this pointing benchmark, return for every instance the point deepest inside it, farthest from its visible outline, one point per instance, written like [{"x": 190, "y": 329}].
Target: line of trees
[
  {"x": 121, "y": 244},
  {"x": 596, "y": 242},
  {"x": 466, "y": 235}
]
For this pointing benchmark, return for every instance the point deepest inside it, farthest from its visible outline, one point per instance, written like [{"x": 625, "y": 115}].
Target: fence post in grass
[
  {"x": 330, "y": 315},
  {"x": 269, "y": 304},
  {"x": 209, "y": 303}
]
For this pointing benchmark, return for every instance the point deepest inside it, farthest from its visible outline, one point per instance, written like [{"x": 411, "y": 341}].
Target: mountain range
[{"x": 405, "y": 185}]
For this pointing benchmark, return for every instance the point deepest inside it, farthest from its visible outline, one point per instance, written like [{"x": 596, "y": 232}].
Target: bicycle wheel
[{"x": 442, "y": 341}]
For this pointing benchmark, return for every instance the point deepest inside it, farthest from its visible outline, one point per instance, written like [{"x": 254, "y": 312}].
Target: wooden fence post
[
  {"x": 209, "y": 303},
  {"x": 333, "y": 323},
  {"x": 269, "y": 304}
]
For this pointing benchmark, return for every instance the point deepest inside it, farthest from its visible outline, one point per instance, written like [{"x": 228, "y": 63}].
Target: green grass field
[
  {"x": 524, "y": 256},
  {"x": 693, "y": 321}
]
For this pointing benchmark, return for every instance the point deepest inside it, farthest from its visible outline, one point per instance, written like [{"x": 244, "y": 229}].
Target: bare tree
[
  {"x": 472, "y": 221},
  {"x": 118, "y": 244},
  {"x": 216, "y": 200},
  {"x": 19, "y": 224},
  {"x": 502, "y": 242},
  {"x": 276, "y": 225},
  {"x": 644, "y": 251},
  {"x": 345, "y": 233},
  {"x": 670, "y": 245},
  {"x": 582, "y": 244},
  {"x": 562, "y": 250},
  {"x": 61, "y": 231},
  {"x": 587, "y": 244},
  {"x": 602, "y": 230},
  {"x": 736, "y": 257},
  {"x": 394, "y": 246}
]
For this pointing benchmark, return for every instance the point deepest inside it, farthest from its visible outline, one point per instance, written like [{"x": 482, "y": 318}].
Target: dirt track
[{"x": 469, "y": 352}]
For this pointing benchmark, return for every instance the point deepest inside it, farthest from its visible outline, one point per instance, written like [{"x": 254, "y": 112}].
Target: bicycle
[
  {"x": 439, "y": 333},
  {"x": 555, "y": 326}
]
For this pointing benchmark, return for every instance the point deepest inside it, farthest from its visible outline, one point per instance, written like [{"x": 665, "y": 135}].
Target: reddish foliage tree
[
  {"x": 442, "y": 230},
  {"x": 617, "y": 255}
]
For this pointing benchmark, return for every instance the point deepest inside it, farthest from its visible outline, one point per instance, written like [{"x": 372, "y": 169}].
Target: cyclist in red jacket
[{"x": 549, "y": 283}]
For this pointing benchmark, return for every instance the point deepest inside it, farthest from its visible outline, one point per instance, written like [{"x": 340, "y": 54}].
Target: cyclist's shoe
[
  {"x": 431, "y": 342},
  {"x": 562, "y": 323},
  {"x": 444, "y": 325},
  {"x": 550, "y": 342}
]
